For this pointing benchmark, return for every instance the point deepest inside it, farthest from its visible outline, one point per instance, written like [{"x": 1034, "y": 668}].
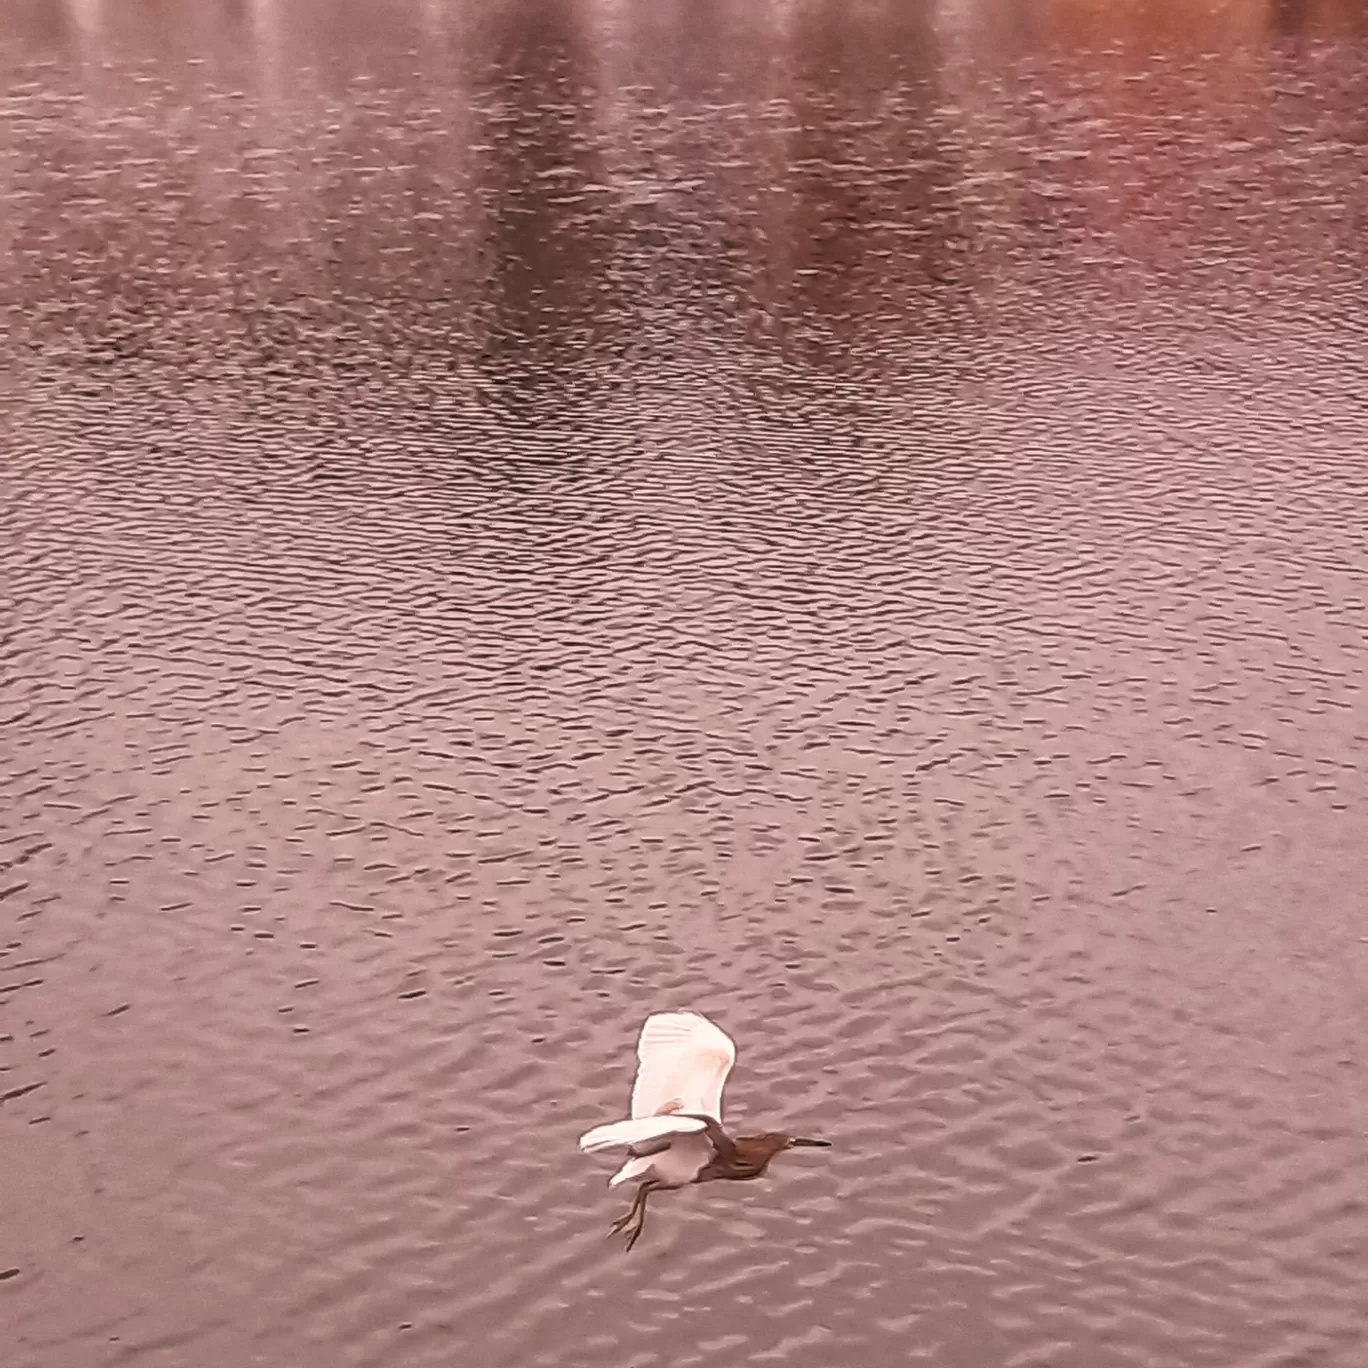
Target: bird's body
[
  {"x": 677, "y": 1165},
  {"x": 675, "y": 1135}
]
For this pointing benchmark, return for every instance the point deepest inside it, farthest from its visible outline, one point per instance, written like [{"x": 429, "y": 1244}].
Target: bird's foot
[{"x": 630, "y": 1225}]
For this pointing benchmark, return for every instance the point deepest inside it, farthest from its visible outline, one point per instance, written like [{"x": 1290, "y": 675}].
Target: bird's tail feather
[{"x": 631, "y": 1171}]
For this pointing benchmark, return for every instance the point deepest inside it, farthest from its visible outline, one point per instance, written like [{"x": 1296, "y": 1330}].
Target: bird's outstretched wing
[
  {"x": 683, "y": 1064},
  {"x": 640, "y": 1132}
]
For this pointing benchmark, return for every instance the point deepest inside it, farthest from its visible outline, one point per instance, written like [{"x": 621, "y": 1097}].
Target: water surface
[{"x": 849, "y": 516}]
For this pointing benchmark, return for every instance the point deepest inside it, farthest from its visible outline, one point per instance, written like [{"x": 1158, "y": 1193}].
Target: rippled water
[{"x": 850, "y": 516}]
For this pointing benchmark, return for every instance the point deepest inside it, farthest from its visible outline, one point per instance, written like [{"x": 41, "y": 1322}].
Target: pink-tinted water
[{"x": 850, "y": 516}]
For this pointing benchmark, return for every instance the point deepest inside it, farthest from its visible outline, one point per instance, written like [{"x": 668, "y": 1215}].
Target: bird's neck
[{"x": 742, "y": 1163}]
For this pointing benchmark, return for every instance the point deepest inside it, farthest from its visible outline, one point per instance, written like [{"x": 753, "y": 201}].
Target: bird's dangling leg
[
  {"x": 633, "y": 1212},
  {"x": 632, "y": 1222}
]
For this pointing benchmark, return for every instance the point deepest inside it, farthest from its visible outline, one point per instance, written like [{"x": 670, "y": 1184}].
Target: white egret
[{"x": 675, "y": 1135}]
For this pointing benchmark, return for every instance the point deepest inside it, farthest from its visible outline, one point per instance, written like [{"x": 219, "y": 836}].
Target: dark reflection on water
[
  {"x": 846, "y": 515},
  {"x": 548, "y": 244}
]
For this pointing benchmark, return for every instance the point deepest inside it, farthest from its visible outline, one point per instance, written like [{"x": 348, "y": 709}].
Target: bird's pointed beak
[{"x": 810, "y": 1144}]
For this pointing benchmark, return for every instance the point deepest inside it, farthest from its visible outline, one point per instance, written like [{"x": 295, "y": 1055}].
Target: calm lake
[{"x": 849, "y": 515}]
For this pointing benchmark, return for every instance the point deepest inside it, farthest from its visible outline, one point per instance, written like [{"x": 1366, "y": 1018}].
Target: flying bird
[{"x": 675, "y": 1134}]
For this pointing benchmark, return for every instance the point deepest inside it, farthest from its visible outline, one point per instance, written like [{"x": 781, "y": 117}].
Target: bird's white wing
[
  {"x": 684, "y": 1061},
  {"x": 639, "y": 1131}
]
